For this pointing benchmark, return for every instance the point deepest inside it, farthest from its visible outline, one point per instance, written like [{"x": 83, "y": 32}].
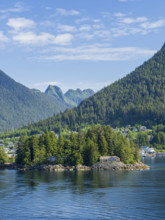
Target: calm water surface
[{"x": 84, "y": 195}]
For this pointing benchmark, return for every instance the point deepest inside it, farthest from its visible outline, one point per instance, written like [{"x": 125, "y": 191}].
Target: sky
[{"x": 78, "y": 43}]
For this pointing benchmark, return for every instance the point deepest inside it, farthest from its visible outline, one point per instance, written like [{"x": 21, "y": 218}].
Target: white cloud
[
  {"x": 125, "y": 31},
  {"x": 96, "y": 20},
  {"x": 48, "y": 8},
  {"x": 3, "y": 38},
  {"x": 19, "y": 23},
  {"x": 106, "y": 14},
  {"x": 98, "y": 53},
  {"x": 98, "y": 26},
  {"x": 85, "y": 35},
  {"x": 117, "y": 32},
  {"x": 104, "y": 34},
  {"x": 66, "y": 28},
  {"x": 64, "y": 12},
  {"x": 134, "y": 20},
  {"x": 63, "y": 39},
  {"x": 153, "y": 25},
  {"x": 85, "y": 28},
  {"x": 81, "y": 20},
  {"x": 28, "y": 38},
  {"x": 141, "y": 19},
  {"x": 125, "y": 26},
  {"x": 18, "y": 7},
  {"x": 47, "y": 23},
  {"x": 119, "y": 14}
]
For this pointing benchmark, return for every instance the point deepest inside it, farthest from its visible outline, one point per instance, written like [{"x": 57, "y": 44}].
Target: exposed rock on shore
[
  {"x": 119, "y": 166},
  {"x": 97, "y": 166}
]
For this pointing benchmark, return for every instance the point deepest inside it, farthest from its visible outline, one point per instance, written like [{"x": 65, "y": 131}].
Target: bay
[{"x": 84, "y": 194}]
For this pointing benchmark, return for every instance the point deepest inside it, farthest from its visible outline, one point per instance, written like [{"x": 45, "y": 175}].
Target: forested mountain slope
[
  {"x": 20, "y": 105},
  {"x": 138, "y": 98}
]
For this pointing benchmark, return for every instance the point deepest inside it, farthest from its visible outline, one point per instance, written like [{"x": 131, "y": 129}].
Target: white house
[
  {"x": 143, "y": 128},
  {"x": 149, "y": 150}
]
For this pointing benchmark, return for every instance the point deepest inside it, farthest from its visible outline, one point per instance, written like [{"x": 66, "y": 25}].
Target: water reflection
[
  {"x": 84, "y": 194},
  {"x": 77, "y": 181}
]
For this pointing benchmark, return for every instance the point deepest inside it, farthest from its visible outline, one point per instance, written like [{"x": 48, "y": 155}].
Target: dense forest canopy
[
  {"x": 20, "y": 105},
  {"x": 79, "y": 148}
]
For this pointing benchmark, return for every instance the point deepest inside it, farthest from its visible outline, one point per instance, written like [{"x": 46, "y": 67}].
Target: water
[{"x": 84, "y": 195}]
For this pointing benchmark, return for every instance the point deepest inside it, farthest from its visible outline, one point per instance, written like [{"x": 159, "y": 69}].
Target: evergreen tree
[
  {"x": 91, "y": 153},
  {"x": 3, "y": 156}
]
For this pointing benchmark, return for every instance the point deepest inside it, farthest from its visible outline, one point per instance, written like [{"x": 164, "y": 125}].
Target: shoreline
[{"x": 98, "y": 166}]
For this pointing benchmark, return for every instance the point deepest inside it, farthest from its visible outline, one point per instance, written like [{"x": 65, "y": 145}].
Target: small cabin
[
  {"x": 143, "y": 128},
  {"x": 109, "y": 159}
]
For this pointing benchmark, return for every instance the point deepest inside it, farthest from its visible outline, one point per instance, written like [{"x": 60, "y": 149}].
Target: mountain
[
  {"x": 71, "y": 98},
  {"x": 78, "y": 95},
  {"x": 56, "y": 93},
  {"x": 20, "y": 105},
  {"x": 138, "y": 98}
]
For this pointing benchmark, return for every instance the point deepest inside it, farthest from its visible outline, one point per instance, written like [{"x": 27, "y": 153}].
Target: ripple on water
[{"x": 83, "y": 195}]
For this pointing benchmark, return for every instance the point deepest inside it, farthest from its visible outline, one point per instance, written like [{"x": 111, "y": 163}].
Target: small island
[{"x": 98, "y": 148}]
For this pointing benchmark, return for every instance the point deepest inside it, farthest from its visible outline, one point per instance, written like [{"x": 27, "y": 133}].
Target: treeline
[
  {"x": 158, "y": 141},
  {"x": 79, "y": 148},
  {"x": 154, "y": 138}
]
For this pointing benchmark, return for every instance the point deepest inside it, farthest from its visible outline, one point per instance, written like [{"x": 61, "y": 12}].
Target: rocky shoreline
[
  {"x": 98, "y": 166},
  {"x": 120, "y": 166}
]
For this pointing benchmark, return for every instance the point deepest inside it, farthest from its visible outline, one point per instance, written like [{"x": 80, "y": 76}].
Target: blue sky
[{"x": 78, "y": 43}]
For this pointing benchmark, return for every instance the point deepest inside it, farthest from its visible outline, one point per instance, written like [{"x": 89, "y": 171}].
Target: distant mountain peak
[
  {"x": 78, "y": 95},
  {"x": 55, "y": 91},
  {"x": 72, "y": 97}
]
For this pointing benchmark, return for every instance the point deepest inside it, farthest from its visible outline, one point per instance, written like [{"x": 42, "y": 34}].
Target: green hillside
[
  {"x": 20, "y": 105},
  {"x": 138, "y": 98}
]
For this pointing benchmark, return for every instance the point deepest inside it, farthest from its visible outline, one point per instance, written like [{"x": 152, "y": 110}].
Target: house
[
  {"x": 135, "y": 129},
  {"x": 143, "y": 128},
  {"x": 109, "y": 159},
  {"x": 10, "y": 144},
  {"x": 147, "y": 151},
  {"x": 12, "y": 155},
  {"x": 13, "y": 151},
  {"x": 6, "y": 149}
]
